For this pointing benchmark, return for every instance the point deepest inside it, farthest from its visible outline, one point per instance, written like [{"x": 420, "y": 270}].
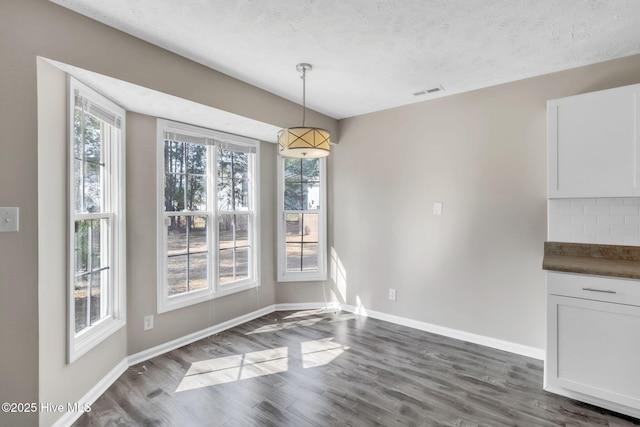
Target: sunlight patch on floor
[
  {"x": 222, "y": 370},
  {"x": 305, "y": 313},
  {"x": 228, "y": 369},
  {"x": 285, "y": 325},
  {"x": 320, "y": 352}
]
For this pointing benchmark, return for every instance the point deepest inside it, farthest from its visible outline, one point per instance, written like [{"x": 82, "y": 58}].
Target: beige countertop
[{"x": 599, "y": 260}]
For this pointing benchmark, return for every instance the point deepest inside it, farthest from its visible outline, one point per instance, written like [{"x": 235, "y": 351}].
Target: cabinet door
[
  {"x": 593, "y": 144},
  {"x": 593, "y": 348}
]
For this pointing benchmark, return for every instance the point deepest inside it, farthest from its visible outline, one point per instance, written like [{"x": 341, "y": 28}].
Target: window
[
  {"x": 301, "y": 219},
  {"x": 96, "y": 219},
  {"x": 208, "y": 222}
]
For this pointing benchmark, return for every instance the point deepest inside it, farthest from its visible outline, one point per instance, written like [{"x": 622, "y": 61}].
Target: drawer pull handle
[{"x": 604, "y": 291}]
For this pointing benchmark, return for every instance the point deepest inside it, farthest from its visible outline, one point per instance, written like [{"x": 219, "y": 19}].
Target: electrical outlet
[
  {"x": 437, "y": 208},
  {"x": 148, "y": 322},
  {"x": 392, "y": 294}
]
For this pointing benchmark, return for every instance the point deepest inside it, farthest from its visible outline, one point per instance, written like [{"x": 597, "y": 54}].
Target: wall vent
[{"x": 429, "y": 91}]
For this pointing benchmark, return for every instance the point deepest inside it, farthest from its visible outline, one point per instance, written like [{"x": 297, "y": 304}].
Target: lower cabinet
[{"x": 593, "y": 340}]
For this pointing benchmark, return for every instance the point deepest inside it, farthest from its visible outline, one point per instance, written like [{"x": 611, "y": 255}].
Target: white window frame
[
  {"x": 302, "y": 276},
  {"x": 114, "y": 192},
  {"x": 214, "y": 289}
]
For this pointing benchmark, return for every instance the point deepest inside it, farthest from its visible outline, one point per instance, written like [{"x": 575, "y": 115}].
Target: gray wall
[
  {"x": 142, "y": 248},
  {"x": 31, "y": 277},
  {"x": 60, "y": 383},
  {"x": 476, "y": 268}
]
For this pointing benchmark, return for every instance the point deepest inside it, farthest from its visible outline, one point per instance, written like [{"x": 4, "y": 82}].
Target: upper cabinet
[{"x": 594, "y": 144}]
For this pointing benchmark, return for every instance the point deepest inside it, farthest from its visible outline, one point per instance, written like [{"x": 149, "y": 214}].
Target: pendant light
[{"x": 303, "y": 142}]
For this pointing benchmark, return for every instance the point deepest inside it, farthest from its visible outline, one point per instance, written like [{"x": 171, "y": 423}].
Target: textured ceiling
[{"x": 370, "y": 55}]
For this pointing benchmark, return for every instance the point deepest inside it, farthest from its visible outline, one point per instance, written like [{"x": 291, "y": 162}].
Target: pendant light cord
[{"x": 304, "y": 95}]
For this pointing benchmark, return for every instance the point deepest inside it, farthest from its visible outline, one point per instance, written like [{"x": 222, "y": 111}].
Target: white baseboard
[
  {"x": 96, "y": 391},
  {"x": 92, "y": 395},
  {"x": 307, "y": 306},
  {"x": 511, "y": 347},
  {"x": 195, "y": 336},
  {"x": 523, "y": 350}
]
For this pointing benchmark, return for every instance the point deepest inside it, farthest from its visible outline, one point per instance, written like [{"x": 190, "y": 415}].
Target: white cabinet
[
  {"x": 594, "y": 144},
  {"x": 593, "y": 340}
]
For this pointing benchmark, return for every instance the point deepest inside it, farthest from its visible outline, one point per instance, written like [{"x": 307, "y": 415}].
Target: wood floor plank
[{"x": 321, "y": 368}]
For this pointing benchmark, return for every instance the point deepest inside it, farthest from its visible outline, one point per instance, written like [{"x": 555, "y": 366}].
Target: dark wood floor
[{"x": 319, "y": 368}]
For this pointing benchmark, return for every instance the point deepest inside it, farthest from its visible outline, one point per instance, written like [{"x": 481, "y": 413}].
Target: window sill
[
  {"x": 86, "y": 340},
  {"x": 197, "y": 297},
  {"x": 303, "y": 277}
]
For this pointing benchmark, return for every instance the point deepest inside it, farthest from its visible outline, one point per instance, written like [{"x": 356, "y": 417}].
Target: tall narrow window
[
  {"x": 96, "y": 219},
  {"x": 301, "y": 219},
  {"x": 234, "y": 213},
  {"x": 208, "y": 222}
]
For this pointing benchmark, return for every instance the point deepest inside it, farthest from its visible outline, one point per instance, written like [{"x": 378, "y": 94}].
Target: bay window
[{"x": 208, "y": 221}]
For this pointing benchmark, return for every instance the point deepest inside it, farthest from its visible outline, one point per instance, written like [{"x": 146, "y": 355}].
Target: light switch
[
  {"x": 437, "y": 208},
  {"x": 8, "y": 219}
]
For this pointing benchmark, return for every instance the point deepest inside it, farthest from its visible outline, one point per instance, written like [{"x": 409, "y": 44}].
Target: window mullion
[
  {"x": 234, "y": 241},
  {"x": 109, "y": 175},
  {"x": 83, "y": 146},
  {"x": 186, "y": 176},
  {"x": 214, "y": 222},
  {"x": 90, "y": 270},
  {"x": 114, "y": 206},
  {"x": 233, "y": 183},
  {"x": 302, "y": 241},
  {"x": 105, "y": 194},
  {"x": 188, "y": 235}
]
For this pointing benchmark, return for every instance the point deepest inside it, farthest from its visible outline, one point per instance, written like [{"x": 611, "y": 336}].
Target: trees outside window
[
  {"x": 301, "y": 219},
  {"x": 96, "y": 219},
  {"x": 208, "y": 218}
]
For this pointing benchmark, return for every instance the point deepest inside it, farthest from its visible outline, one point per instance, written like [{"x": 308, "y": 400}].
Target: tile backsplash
[{"x": 614, "y": 221}]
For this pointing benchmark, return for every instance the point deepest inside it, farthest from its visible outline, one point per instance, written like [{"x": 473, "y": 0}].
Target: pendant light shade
[{"x": 303, "y": 142}]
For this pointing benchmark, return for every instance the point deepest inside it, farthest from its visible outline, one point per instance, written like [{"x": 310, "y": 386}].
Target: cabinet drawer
[{"x": 598, "y": 288}]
